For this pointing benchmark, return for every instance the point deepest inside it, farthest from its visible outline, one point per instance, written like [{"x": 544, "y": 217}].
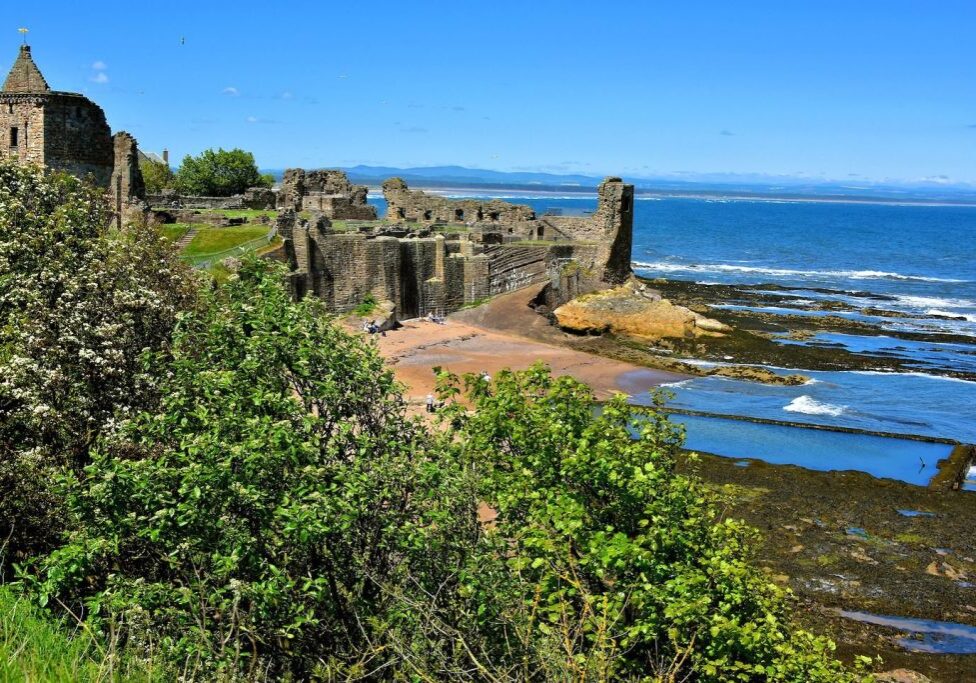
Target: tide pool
[
  {"x": 898, "y": 403},
  {"x": 914, "y": 462}
]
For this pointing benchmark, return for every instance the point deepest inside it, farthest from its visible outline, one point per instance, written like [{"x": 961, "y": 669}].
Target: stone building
[
  {"x": 328, "y": 192},
  {"x": 64, "y": 131},
  {"x": 425, "y": 271}
]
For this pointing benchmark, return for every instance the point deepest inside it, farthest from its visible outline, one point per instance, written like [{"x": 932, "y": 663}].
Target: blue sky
[{"x": 865, "y": 90}]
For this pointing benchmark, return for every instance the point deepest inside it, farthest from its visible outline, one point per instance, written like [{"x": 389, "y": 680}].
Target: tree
[
  {"x": 79, "y": 305},
  {"x": 219, "y": 173},
  {"x": 157, "y": 175}
]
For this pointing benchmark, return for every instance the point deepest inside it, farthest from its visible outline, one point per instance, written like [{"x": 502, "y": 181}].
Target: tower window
[{"x": 14, "y": 136}]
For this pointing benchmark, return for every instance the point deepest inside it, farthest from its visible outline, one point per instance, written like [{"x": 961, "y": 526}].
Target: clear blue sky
[{"x": 847, "y": 89}]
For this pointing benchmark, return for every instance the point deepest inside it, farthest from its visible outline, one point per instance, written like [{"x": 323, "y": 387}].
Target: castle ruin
[
  {"x": 65, "y": 131},
  {"x": 440, "y": 270},
  {"x": 328, "y": 192}
]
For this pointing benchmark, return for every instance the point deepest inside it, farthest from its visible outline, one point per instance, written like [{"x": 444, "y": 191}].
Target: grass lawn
[
  {"x": 212, "y": 240},
  {"x": 174, "y": 231}
]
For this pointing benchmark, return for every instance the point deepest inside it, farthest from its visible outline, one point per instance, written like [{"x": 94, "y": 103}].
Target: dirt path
[{"x": 487, "y": 339}]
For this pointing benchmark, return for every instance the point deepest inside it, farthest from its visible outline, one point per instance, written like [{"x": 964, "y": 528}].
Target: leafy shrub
[
  {"x": 253, "y": 522},
  {"x": 157, "y": 175},
  {"x": 603, "y": 563}
]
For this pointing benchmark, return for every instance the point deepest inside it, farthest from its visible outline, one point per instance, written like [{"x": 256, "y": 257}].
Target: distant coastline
[{"x": 514, "y": 191}]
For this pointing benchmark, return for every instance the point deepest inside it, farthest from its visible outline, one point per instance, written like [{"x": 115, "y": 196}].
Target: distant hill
[{"x": 712, "y": 185}]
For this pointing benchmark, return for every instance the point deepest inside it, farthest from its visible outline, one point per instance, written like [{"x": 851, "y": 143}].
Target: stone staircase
[{"x": 185, "y": 240}]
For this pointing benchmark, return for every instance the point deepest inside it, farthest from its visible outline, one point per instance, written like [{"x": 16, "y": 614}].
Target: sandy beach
[{"x": 465, "y": 343}]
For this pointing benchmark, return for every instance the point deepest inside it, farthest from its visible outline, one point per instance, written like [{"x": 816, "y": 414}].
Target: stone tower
[{"x": 61, "y": 130}]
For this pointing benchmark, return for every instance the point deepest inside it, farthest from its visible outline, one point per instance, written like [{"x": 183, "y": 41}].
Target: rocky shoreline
[{"x": 838, "y": 540}]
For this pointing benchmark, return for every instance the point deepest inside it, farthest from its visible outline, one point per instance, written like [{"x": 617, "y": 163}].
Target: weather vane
[{"x": 23, "y": 32}]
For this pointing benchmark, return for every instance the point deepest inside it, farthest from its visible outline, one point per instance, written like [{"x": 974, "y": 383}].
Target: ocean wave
[
  {"x": 934, "y": 302},
  {"x": 666, "y": 267},
  {"x": 951, "y": 314},
  {"x": 896, "y": 373},
  {"x": 682, "y": 383},
  {"x": 811, "y": 406}
]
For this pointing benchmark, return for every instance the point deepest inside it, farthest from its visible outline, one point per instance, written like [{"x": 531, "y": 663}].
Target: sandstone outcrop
[{"x": 625, "y": 311}]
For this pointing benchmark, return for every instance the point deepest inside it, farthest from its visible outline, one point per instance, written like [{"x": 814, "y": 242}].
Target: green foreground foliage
[{"x": 235, "y": 491}]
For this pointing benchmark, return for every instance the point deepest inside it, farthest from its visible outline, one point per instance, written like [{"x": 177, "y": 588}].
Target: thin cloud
[
  {"x": 100, "y": 77},
  {"x": 231, "y": 90},
  {"x": 971, "y": 125},
  {"x": 256, "y": 119},
  {"x": 726, "y": 132},
  {"x": 99, "y": 65}
]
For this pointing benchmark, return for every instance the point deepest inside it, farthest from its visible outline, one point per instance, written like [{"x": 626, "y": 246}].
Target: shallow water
[
  {"x": 914, "y": 462},
  {"x": 932, "y": 355},
  {"x": 938, "y": 637},
  {"x": 899, "y": 403}
]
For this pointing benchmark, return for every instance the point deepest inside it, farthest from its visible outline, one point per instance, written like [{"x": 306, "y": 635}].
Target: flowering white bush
[{"x": 80, "y": 304}]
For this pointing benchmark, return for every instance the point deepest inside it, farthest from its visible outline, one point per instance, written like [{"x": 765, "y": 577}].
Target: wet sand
[
  {"x": 504, "y": 333},
  {"x": 417, "y": 347}
]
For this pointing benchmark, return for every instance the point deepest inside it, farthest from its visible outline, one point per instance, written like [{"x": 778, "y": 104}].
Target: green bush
[
  {"x": 367, "y": 306},
  {"x": 219, "y": 173},
  {"x": 603, "y": 563},
  {"x": 255, "y": 521}
]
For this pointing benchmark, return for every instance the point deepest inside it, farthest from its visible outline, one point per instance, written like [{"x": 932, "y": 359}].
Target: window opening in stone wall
[
  {"x": 626, "y": 204},
  {"x": 14, "y": 135},
  {"x": 427, "y": 215},
  {"x": 400, "y": 214},
  {"x": 10, "y": 108},
  {"x": 493, "y": 216},
  {"x": 459, "y": 214}
]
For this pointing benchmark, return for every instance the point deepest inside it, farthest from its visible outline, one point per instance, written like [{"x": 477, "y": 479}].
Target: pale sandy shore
[{"x": 482, "y": 341}]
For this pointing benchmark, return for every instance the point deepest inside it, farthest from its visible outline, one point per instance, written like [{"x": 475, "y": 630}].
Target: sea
[{"x": 916, "y": 259}]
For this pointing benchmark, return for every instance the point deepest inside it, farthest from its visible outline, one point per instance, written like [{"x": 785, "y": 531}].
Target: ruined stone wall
[
  {"x": 77, "y": 138},
  {"x": 431, "y": 274},
  {"x": 325, "y": 191},
  {"x": 126, "y": 185},
  {"x": 173, "y": 200},
  {"x": 260, "y": 198},
  {"x": 403, "y": 203}
]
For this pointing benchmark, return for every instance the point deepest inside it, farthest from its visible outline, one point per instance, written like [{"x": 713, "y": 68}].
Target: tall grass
[{"x": 35, "y": 647}]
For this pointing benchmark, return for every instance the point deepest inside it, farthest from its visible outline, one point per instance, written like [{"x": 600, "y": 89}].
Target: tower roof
[{"x": 25, "y": 77}]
